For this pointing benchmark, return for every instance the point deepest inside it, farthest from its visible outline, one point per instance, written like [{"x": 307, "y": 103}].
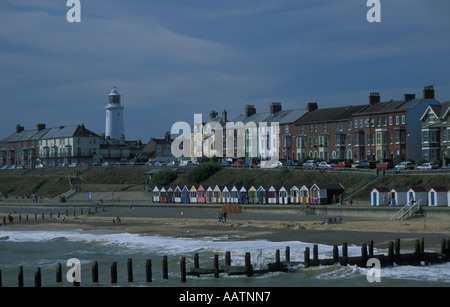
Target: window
[
  {"x": 424, "y": 136},
  {"x": 367, "y": 122},
  {"x": 349, "y": 124},
  {"x": 431, "y": 118},
  {"x": 324, "y": 127},
  {"x": 310, "y": 142},
  {"x": 340, "y": 126},
  {"x": 385, "y": 121},
  {"x": 372, "y": 122},
  {"x": 356, "y": 140},
  {"x": 390, "y": 120},
  {"x": 315, "y": 128},
  {"x": 356, "y": 123},
  {"x": 378, "y": 138},
  {"x": 397, "y": 141},
  {"x": 379, "y": 121},
  {"x": 390, "y": 137},
  {"x": 361, "y": 123},
  {"x": 403, "y": 119},
  {"x": 368, "y": 139},
  {"x": 310, "y": 128},
  {"x": 397, "y": 120},
  {"x": 287, "y": 128}
]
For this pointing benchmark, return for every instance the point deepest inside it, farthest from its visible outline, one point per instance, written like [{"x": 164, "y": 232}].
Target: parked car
[
  {"x": 446, "y": 166},
  {"x": 238, "y": 163},
  {"x": 343, "y": 164},
  {"x": 310, "y": 164},
  {"x": 187, "y": 163},
  {"x": 428, "y": 166},
  {"x": 250, "y": 163},
  {"x": 367, "y": 165},
  {"x": 157, "y": 163},
  {"x": 74, "y": 164},
  {"x": 277, "y": 164},
  {"x": 404, "y": 165},
  {"x": 385, "y": 165},
  {"x": 325, "y": 165}
]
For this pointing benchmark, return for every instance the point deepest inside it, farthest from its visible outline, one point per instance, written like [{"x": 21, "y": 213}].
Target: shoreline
[{"x": 277, "y": 226}]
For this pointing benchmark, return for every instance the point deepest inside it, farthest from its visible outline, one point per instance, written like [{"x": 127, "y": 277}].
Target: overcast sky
[{"x": 172, "y": 58}]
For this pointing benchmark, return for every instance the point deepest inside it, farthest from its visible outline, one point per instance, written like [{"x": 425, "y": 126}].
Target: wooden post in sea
[
  {"x": 183, "y": 269},
  {"x": 37, "y": 278},
  {"x": 315, "y": 255},
  {"x": 277, "y": 260},
  {"x": 59, "y": 273},
  {"x": 344, "y": 258},
  {"x": 363, "y": 255},
  {"x": 248, "y": 264},
  {"x": 228, "y": 258},
  {"x": 371, "y": 249},
  {"x": 130, "y": 270},
  {"x": 148, "y": 270},
  {"x": 306, "y": 257},
  {"x": 114, "y": 272},
  {"x": 287, "y": 254},
  {"x": 95, "y": 272},
  {"x": 20, "y": 277},
  {"x": 335, "y": 254},
  {"x": 164, "y": 268},
  {"x": 397, "y": 247},
  {"x": 216, "y": 265}
]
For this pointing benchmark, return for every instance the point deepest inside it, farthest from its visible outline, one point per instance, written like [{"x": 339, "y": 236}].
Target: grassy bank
[{"x": 52, "y": 182}]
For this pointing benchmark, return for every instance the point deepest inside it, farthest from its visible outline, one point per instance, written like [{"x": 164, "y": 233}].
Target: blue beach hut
[{"x": 185, "y": 195}]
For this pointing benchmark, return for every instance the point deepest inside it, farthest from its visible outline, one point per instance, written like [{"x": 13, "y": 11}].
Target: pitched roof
[{"x": 330, "y": 114}]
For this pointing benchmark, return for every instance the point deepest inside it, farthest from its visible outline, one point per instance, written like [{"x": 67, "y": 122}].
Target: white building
[{"x": 114, "y": 127}]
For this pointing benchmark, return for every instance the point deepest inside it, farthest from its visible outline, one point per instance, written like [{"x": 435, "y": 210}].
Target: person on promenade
[
  {"x": 225, "y": 217},
  {"x": 219, "y": 217}
]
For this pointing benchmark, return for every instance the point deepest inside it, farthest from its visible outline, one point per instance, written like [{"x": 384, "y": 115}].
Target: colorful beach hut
[
  {"x": 225, "y": 195},
  {"x": 155, "y": 194},
  {"x": 252, "y": 195},
  {"x": 209, "y": 195},
  {"x": 177, "y": 194},
  {"x": 201, "y": 195},
  {"x": 437, "y": 197},
  {"x": 294, "y": 193},
  {"x": 418, "y": 194},
  {"x": 243, "y": 195},
  {"x": 234, "y": 195},
  {"x": 170, "y": 195},
  {"x": 283, "y": 195},
  {"x": 262, "y": 194},
  {"x": 379, "y": 196},
  {"x": 304, "y": 195},
  {"x": 325, "y": 193},
  {"x": 217, "y": 194},
  {"x": 163, "y": 195},
  {"x": 193, "y": 194},
  {"x": 272, "y": 195},
  {"x": 398, "y": 196},
  {"x": 185, "y": 195}
]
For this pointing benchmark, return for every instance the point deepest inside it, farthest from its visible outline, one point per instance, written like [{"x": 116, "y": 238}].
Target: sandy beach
[{"x": 194, "y": 222}]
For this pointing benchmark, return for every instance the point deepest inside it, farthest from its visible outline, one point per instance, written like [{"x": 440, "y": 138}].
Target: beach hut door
[
  {"x": 374, "y": 195},
  {"x": 432, "y": 198}
]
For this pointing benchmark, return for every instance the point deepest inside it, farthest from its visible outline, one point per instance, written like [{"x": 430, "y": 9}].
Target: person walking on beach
[
  {"x": 225, "y": 217},
  {"x": 219, "y": 217}
]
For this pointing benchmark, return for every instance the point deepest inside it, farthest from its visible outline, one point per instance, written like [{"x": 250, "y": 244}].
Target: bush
[
  {"x": 202, "y": 172},
  {"x": 163, "y": 178}
]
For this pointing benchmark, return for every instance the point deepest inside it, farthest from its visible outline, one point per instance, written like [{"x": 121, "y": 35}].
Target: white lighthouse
[{"x": 114, "y": 128}]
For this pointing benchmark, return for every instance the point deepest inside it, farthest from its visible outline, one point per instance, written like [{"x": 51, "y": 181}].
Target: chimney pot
[
  {"x": 374, "y": 97},
  {"x": 250, "y": 110},
  {"x": 428, "y": 92},
  {"x": 19, "y": 128},
  {"x": 275, "y": 107},
  {"x": 312, "y": 106}
]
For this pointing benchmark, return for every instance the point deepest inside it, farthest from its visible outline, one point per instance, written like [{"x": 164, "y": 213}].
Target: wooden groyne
[{"x": 419, "y": 257}]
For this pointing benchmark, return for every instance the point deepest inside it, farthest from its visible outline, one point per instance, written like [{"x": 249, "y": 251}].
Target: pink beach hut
[{"x": 201, "y": 197}]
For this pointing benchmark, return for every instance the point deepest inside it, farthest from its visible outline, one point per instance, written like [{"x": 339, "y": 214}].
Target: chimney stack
[
  {"x": 374, "y": 97},
  {"x": 212, "y": 114},
  {"x": 311, "y": 106},
  {"x": 40, "y": 127},
  {"x": 275, "y": 107},
  {"x": 409, "y": 97},
  {"x": 250, "y": 110},
  {"x": 428, "y": 92},
  {"x": 224, "y": 115},
  {"x": 19, "y": 128}
]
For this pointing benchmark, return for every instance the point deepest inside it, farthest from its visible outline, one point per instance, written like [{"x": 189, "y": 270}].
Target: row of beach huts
[
  {"x": 225, "y": 194},
  {"x": 434, "y": 197}
]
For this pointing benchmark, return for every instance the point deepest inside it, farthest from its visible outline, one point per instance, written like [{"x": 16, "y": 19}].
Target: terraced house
[
  {"x": 436, "y": 133},
  {"x": 50, "y": 146}
]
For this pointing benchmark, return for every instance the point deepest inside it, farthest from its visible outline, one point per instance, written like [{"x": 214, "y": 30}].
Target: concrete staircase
[{"x": 348, "y": 194}]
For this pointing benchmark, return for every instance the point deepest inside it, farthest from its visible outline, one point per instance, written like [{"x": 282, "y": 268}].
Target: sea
[{"x": 45, "y": 249}]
